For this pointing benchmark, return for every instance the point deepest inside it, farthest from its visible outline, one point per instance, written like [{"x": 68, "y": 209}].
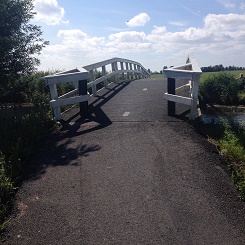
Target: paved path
[{"x": 129, "y": 175}]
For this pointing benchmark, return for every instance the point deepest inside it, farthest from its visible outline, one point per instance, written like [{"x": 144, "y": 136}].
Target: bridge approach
[{"x": 128, "y": 174}]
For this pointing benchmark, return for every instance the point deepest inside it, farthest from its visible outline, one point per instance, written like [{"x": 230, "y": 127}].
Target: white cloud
[
  {"x": 176, "y": 23},
  {"x": 128, "y": 36},
  {"x": 129, "y": 40},
  {"x": 242, "y": 6},
  {"x": 227, "y": 4},
  {"x": 49, "y": 12},
  {"x": 139, "y": 20},
  {"x": 222, "y": 22},
  {"x": 220, "y": 37}
]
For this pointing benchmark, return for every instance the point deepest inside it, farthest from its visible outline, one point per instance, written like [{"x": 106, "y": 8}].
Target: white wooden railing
[
  {"x": 128, "y": 70},
  {"x": 191, "y": 72}
]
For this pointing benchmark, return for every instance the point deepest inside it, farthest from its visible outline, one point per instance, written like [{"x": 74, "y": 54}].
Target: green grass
[
  {"x": 157, "y": 76},
  {"x": 229, "y": 139},
  {"x": 205, "y": 75}
]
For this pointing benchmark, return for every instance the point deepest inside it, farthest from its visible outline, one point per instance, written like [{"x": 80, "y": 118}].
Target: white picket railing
[
  {"x": 128, "y": 70},
  {"x": 191, "y": 72}
]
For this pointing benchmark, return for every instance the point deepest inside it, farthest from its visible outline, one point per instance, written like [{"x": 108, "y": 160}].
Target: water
[{"x": 217, "y": 114}]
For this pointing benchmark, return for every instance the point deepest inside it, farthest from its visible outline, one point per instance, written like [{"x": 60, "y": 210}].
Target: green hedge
[{"x": 220, "y": 88}]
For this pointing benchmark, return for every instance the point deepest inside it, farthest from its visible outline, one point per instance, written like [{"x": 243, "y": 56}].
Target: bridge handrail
[
  {"x": 133, "y": 69},
  {"x": 189, "y": 71}
]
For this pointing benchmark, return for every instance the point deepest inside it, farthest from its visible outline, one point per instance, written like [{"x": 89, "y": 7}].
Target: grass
[
  {"x": 229, "y": 139},
  {"x": 205, "y": 75},
  {"x": 157, "y": 76}
]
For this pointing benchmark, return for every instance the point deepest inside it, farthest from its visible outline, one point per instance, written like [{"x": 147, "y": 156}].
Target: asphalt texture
[{"x": 129, "y": 174}]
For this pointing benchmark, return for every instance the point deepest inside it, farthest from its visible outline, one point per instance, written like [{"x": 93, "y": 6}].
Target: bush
[
  {"x": 220, "y": 88},
  {"x": 6, "y": 190}
]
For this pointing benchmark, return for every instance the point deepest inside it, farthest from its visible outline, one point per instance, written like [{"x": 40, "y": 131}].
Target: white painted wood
[
  {"x": 127, "y": 70},
  {"x": 178, "y": 99},
  {"x": 195, "y": 96},
  {"x": 190, "y": 71},
  {"x": 104, "y": 74},
  {"x": 135, "y": 71},
  {"x": 54, "y": 96},
  {"x": 67, "y": 101},
  {"x": 101, "y": 79},
  {"x": 108, "y": 62},
  {"x": 122, "y": 70},
  {"x": 116, "y": 75},
  {"x": 69, "y": 94},
  {"x": 195, "y": 67},
  {"x": 131, "y": 68},
  {"x": 93, "y": 85},
  {"x": 64, "y": 78},
  {"x": 182, "y": 89}
]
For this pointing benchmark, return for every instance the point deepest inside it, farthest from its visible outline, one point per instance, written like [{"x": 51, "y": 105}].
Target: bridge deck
[
  {"x": 145, "y": 178},
  {"x": 144, "y": 99}
]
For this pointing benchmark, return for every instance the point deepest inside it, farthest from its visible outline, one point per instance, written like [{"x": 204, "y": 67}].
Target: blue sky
[{"x": 155, "y": 33}]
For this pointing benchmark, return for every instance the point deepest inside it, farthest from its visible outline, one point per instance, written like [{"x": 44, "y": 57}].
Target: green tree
[{"x": 20, "y": 42}]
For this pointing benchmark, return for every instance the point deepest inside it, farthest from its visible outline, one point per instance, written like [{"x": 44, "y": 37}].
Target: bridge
[
  {"x": 129, "y": 70},
  {"x": 126, "y": 166}
]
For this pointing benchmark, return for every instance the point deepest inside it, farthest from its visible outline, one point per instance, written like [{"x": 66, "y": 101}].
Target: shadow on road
[{"x": 61, "y": 148}]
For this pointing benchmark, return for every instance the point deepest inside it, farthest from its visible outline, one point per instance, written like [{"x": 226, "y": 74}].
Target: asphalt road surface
[{"x": 128, "y": 175}]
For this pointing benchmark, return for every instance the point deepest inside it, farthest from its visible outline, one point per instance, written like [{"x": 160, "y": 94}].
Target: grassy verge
[
  {"x": 157, "y": 76},
  {"x": 229, "y": 139},
  {"x": 225, "y": 90},
  {"x": 18, "y": 138}
]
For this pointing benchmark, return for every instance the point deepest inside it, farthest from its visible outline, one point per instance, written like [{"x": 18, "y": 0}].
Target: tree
[{"x": 20, "y": 41}]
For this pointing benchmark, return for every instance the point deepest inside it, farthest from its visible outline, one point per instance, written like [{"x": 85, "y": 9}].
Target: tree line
[
  {"x": 210, "y": 68},
  {"x": 221, "y": 68}
]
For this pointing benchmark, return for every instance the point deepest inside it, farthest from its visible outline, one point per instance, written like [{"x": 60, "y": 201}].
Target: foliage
[
  {"x": 220, "y": 88},
  {"x": 232, "y": 145},
  {"x": 229, "y": 137},
  {"x": 6, "y": 189},
  {"x": 20, "y": 41},
  {"x": 221, "y": 68}
]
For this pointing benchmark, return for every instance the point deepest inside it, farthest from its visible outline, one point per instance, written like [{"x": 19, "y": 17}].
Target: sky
[{"x": 155, "y": 33}]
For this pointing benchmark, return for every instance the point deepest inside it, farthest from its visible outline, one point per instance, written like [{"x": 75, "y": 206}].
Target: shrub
[
  {"x": 220, "y": 88},
  {"x": 6, "y": 190}
]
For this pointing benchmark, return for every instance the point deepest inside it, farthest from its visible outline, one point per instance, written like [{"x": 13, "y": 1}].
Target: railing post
[
  {"x": 94, "y": 90},
  {"x": 127, "y": 68},
  {"x": 116, "y": 69},
  {"x": 103, "y": 74},
  {"x": 131, "y": 68},
  {"x": 122, "y": 68},
  {"x": 138, "y": 69},
  {"x": 195, "y": 88},
  {"x": 54, "y": 96},
  {"x": 135, "y": 71},
  {"x": 171, "y": 90},
  {"x": 83, "y": 90}
]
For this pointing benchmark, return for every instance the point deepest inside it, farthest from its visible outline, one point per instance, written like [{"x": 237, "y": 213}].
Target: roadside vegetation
[
  {"x": 224, "y": 88},
  {"x": 25, "y": 116}
]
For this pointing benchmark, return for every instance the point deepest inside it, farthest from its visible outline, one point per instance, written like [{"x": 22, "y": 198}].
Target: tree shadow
[{"x": 60, "y": 147}]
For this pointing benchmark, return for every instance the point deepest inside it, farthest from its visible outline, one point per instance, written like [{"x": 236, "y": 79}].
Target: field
[
  {"x": 157, "y": 76},
  {"x": 204, "y": 74}
]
